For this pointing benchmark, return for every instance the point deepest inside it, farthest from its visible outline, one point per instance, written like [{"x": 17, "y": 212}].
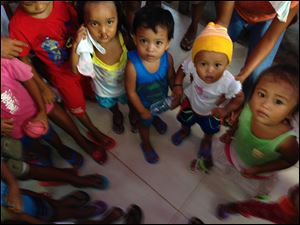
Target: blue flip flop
[
  {"x": 150, "y": 156},
  {"x": 76, "y": 159},
  {"x": 177, "y": 138}
]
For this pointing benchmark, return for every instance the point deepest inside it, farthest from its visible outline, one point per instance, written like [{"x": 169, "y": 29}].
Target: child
[
  {"x": 47, "y": 27},
  {"x": 262, "y": 140},
  {"x": 150, "y": 70},
  {"x": 102, "y": 21},
  {"x": 284, "y": 211},
  {"x": 211, "y": 54},
  {"x": 21, "y": 101}
]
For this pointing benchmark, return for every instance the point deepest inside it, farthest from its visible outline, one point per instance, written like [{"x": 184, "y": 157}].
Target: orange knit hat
[{"x": 213, "y": 38}]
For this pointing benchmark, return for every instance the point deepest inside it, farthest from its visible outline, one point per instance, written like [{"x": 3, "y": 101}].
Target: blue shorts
[
  {"x": 110, "y": 102},
  {"x": 188, "y": 118}
]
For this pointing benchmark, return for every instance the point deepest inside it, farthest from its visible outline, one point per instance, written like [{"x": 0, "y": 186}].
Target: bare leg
[
  {"x": 190, "y": 35},
  {"x": 118, "y": 120}
]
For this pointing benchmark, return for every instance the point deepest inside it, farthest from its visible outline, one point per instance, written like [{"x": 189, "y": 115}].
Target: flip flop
[
  {"x": 187, "y": 43},
  {"x": 205, "y": 157},
  {"x": 102, "y": 182},
  {"x": 195, "y": 220},
  {"x": 79, "y": 199},
  {"x": 76, "y": 159},
  {"x": 160, "y": 126},
  {"x": 11, "y": 148},
  {"x": 221, "y": 212},
  {"x": 108, "y": 145},
  {"x": 99, "y": 156},
  {"x": 178, "y": 137},
  {"x": 113, "y": 215},
  {"x": 150, "y": 156},
  {"x": 134, "y": 215},
  {"x": 100, "y": 206}
]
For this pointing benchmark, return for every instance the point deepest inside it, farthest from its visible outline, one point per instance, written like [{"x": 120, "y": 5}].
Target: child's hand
[
  {"x": 146, "y": 115},
  {"x": 219, "y": 113},
  {"x": 227, "y": 137},
  {"x": 7, "y": 126},
  {"x": 11, "y": 48},
  {"x": 81, "y": 34},
  {"x": 250, "y": 172},
  {"x": 13, "y": 198},
  {"x": 48, "y": 95},
  {"x": 42, "y": 117},
  {"x": 178, "y": 91}
]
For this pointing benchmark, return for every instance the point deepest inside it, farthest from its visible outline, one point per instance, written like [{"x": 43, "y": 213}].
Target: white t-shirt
[{"x": 203, "y": 96}]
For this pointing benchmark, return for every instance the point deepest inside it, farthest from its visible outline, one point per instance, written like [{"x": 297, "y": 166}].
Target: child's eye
[
  {"x": 278, "y": 102},
  {"x": 203, "y": 64},
  {"x": 110, "y": 22},
  {"x": 218, "y": 65},
  {"x": 261, "y": 94},
  {"x": 158, "y": 43},
  {"x": 94, "y": 24},
  {"x": 143, "y": 41}
]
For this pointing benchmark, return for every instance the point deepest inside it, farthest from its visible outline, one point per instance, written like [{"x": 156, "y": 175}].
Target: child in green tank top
[{"x": 262, "y": 140}]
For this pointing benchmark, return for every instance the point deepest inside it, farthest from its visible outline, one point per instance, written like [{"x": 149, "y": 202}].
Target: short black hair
[
  {"x": 283, "y": 72},
  {"x": 151, "y": 17}
]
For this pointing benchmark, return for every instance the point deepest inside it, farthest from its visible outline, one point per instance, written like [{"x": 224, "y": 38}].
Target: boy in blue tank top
[{"x": 150, "y": 70}]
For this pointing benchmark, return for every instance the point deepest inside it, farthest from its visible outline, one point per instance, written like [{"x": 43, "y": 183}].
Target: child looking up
[
  {"x": 211, "y": 54},
  {"x": 262, "y": 141},
  {"x": 150, "y": 70},
  {"x": 102, "y": 21}
]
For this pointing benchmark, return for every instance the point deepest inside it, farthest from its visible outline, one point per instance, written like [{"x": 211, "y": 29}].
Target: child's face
[
  {"x": 37, "y": 8},
  {"x": 273, "y": 101},
  {"x": 210, "y": 66},
  {"x": 150, "y": 45},
  {"x": 102, "y": 21}
]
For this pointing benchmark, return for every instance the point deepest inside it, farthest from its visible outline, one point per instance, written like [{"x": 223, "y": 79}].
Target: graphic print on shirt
[
  {"x": 9, "y": 102},
  {"x": 55, "y": 53}
]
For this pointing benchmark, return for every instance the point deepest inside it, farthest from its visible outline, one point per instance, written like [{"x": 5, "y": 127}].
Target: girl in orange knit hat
[{"x": 211, "y": 54}]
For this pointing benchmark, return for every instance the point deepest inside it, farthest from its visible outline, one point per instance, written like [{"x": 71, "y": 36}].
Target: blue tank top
[{"x": 150, "y": 87}]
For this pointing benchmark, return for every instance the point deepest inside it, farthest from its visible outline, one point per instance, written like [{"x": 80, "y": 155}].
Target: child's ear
[{"x": 168, "y": 45}]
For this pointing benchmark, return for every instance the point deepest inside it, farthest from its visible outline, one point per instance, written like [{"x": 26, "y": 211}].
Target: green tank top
[{"x": 252, "y": 150}]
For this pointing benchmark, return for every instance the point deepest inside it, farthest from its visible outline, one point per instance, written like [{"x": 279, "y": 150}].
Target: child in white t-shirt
[{"x": 211, "y": 82}]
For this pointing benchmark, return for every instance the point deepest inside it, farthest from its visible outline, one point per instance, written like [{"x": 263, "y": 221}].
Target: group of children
[{"x": 260, "y": 141}]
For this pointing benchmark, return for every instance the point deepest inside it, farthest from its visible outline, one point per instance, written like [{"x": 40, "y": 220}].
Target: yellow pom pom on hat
[{"x": 213, "y": 38}]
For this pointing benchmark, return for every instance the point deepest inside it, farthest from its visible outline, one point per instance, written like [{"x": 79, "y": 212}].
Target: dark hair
[
  {"x": 81, "y": 12},
  {"x": 287, "y": 73},
  {"x": 151, "y": 17}
]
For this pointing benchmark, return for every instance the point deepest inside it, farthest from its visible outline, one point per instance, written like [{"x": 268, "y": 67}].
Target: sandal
[
  {"x": 107, "y": 142},
  {"x": 150, "y": 156},
  {"x": 76, "y": 159},
  {"x": 99, "y": 155},
  {"x": 187, "y": 42},
  {"x": 112, "y": 216},
  {"x": 11, "y": 148},
  {"x": 179, "y": 136},
  {"x": 118, "y": 123},
  {"x": 76, "y": 199},
  {"x": 160, "y": 126},
  {"x": 195, "y": 220},
  {"x": 205, "y": 157},
  {"x": 134, "y": 215}
]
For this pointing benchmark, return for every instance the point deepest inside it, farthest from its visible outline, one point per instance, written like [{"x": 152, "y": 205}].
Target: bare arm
[
  {"x": 289, "y": 152},
  {"x": 232, "y": 105},
  {"x": 35, "y": 93},
  {"x": 130, "y": 84},
  {"x": 171, "y": 71},
  {"x": 267, "y": 43},
  {"x": 47, "y": 94},
  {"x": 81, "y": 34},
  {"x": 225, "y": 9}
]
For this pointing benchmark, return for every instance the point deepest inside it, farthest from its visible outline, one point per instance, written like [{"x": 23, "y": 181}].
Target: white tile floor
[{"x": 167, "y": 192}]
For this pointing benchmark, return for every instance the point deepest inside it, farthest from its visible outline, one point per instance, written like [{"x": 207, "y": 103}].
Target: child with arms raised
[{"x": 150, "y": 70}]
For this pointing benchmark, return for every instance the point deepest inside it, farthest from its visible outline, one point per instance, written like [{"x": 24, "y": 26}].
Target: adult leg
[{"x": 190, "y": 35}]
